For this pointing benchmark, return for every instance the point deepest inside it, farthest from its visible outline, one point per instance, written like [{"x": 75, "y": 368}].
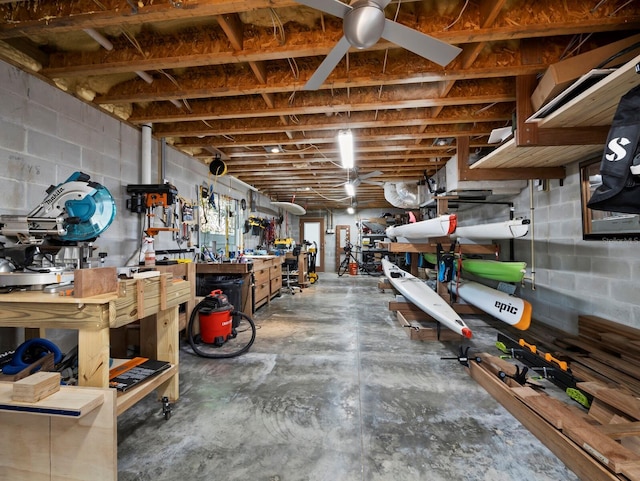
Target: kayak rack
[{"x": 419, "y": 325}]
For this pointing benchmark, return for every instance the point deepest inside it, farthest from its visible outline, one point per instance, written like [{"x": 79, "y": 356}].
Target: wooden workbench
[{"x": 153, "y": 301}]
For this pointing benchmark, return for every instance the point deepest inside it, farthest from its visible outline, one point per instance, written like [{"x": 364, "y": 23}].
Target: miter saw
[{"x": 55, "y": 238}]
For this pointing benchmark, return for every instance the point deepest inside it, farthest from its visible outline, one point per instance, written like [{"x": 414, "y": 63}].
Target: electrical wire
[{"x": 459, "y": 16}]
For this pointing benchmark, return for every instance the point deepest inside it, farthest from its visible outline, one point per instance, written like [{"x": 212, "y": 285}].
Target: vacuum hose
[{"x": 211, "y": 302}]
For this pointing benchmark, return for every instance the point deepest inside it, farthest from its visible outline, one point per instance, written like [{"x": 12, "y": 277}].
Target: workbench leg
[
  {"x": 93, "y": 357},
  {"x": 159, "y": 339}
]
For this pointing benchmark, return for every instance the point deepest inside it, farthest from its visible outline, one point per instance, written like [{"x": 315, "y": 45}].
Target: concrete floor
[{"x": 332, "y": 389}]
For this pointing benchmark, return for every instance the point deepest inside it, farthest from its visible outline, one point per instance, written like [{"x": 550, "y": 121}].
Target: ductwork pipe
[
  {"x": 146, "y": 154},
  {"x": 402, "y": 195}
]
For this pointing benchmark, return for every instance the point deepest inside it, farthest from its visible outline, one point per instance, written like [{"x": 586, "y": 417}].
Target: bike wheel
[{"x": 344, "y": 267}]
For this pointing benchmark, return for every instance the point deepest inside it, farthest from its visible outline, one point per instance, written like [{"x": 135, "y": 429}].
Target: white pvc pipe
[{"x": 146, "y": 154}]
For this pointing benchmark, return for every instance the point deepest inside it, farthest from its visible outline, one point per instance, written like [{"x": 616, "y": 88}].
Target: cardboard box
[{"x": 562, "y": 74}]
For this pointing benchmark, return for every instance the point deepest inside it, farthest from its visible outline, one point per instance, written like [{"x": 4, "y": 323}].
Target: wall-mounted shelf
[{"x": 595, "y": 107}]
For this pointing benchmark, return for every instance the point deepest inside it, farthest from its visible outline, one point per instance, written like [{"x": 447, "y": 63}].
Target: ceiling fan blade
[
  {"x": 373, "y": 182},
  {"x": 375, "y": 173},
  {"x": 417, "y": 42},
  {"x": 327, "y": 65},
  {"x": 332, "y": 7}
]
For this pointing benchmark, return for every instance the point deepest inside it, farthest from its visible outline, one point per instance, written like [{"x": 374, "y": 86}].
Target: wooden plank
[
  {"x": 626, "y": 403},
  {"x": 597, "y": 104},
  {"x": 631, "y": 470},
  {"x": 612, "y": 374},
  {"x": 89, "y": 446},
  {"x": 140, "y": 297},
  {"x": 553, "y": 411},
  {"x": 605, "y": 414},
  {"x": 602, "y": 448},
  {"x": 575, "y": 458},
  {"x": 424, "y": 329},
  {"x": 36, "y": 387},
  {"x": 93, "y": 358},
  {"x": 131, "y": 397},
  {"x": 68, "y": 401},
  {"x": 619, "y": 431},
  {"x": 489, "y": 249},
  {"x": 604, "y": 325},
  {"x": 92, "y": 282}
]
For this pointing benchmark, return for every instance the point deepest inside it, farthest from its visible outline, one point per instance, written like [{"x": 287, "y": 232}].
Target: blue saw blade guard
[{"x": 90, "y": 215}]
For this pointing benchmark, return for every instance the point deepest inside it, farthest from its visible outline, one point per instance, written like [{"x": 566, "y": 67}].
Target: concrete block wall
[
  {"x": 46, "y": 135},
  {"x": 574, "y": 276}
]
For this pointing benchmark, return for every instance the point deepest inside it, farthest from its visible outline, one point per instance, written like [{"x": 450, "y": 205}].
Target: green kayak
[{"x": 507, "y": 271}]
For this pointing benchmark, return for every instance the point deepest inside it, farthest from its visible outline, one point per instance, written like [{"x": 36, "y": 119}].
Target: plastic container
[
  {"x": 215, "y": 325},
  {"x": 149, "y": 253},
  {"x": 353, "y": 269},
  {"x": 232, "y": 288}
]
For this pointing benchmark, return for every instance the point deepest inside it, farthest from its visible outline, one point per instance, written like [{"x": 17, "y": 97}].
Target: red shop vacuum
[{"x": 219, "y": 324}]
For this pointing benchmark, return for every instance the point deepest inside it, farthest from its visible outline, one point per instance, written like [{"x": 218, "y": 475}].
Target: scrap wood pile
[
  {"x": 603, "y": 362},
  {"x": 605, "y": 351},
  {"x": 601, "y": 444}
]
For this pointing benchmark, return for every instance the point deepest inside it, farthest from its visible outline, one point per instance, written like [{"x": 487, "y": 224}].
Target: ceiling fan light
[
  {"x": 345, "y": 142},
  {"x": 363, "y": 24},
  {"x": 350, "y": 189},
  {"x": 351, "y": 210}
]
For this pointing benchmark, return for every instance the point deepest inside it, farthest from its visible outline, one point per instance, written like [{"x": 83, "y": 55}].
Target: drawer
[
  {"x": 261, "y": 276},
  {"x": 276, "y": 284},
  {"x": 276, "y": 271},
  {"x": 262, "y": 290}
]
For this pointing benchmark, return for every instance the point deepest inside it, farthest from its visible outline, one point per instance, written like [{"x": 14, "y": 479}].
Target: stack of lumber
[
  {"x": 599, "y": 445},
  {"x": 604, "y": 351}
]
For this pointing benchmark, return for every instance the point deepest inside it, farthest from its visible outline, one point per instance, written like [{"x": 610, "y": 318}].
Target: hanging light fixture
[
  {"x": 351, "y": 210},
  {"x": 350, "y": 189},
  {"x": 345, "y": 142}
]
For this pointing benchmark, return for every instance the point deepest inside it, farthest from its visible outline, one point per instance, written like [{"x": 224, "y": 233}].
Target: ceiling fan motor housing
[{"x": 363, "y": 24}]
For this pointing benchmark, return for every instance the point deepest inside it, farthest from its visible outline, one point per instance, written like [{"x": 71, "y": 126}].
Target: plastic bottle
[{"x": 149, "y": 253}]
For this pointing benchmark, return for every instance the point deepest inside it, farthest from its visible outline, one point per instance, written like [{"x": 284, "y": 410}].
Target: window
[
  {"x": 218, "y": 225},
  {"x": 598, "y": 224}
]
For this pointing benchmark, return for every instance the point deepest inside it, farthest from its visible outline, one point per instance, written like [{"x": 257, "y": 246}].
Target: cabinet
[
  {"x": 241, "y": 271},
  {"x": 152, "y": 301},
  {"x": 267, "y": 278}
]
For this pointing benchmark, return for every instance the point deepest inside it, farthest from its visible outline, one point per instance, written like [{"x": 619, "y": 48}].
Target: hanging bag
[{"x": 620, "y": 164}]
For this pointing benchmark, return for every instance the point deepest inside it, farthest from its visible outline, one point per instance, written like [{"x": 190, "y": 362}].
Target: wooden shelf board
[
  {"x": 70, "y": 401},
  {"x": 596, "y": 106},
  {"x": 131, "y": 397}
]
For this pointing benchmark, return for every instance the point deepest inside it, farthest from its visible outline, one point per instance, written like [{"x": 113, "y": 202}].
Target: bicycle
[{"x": 369, "y": 268}]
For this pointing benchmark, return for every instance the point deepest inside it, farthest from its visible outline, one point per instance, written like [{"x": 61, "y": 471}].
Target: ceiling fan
[
  {"x": 364, "y": 24},
  {"x": 364, "y": 178}
]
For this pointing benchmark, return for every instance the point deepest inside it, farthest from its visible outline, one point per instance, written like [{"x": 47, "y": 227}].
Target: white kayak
[
  {"x": 437, "y": 227},
  {"x": 420, "y": 294},
  {"x": 502, "y": 306},
  {"x": 510, "y": 229}
]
